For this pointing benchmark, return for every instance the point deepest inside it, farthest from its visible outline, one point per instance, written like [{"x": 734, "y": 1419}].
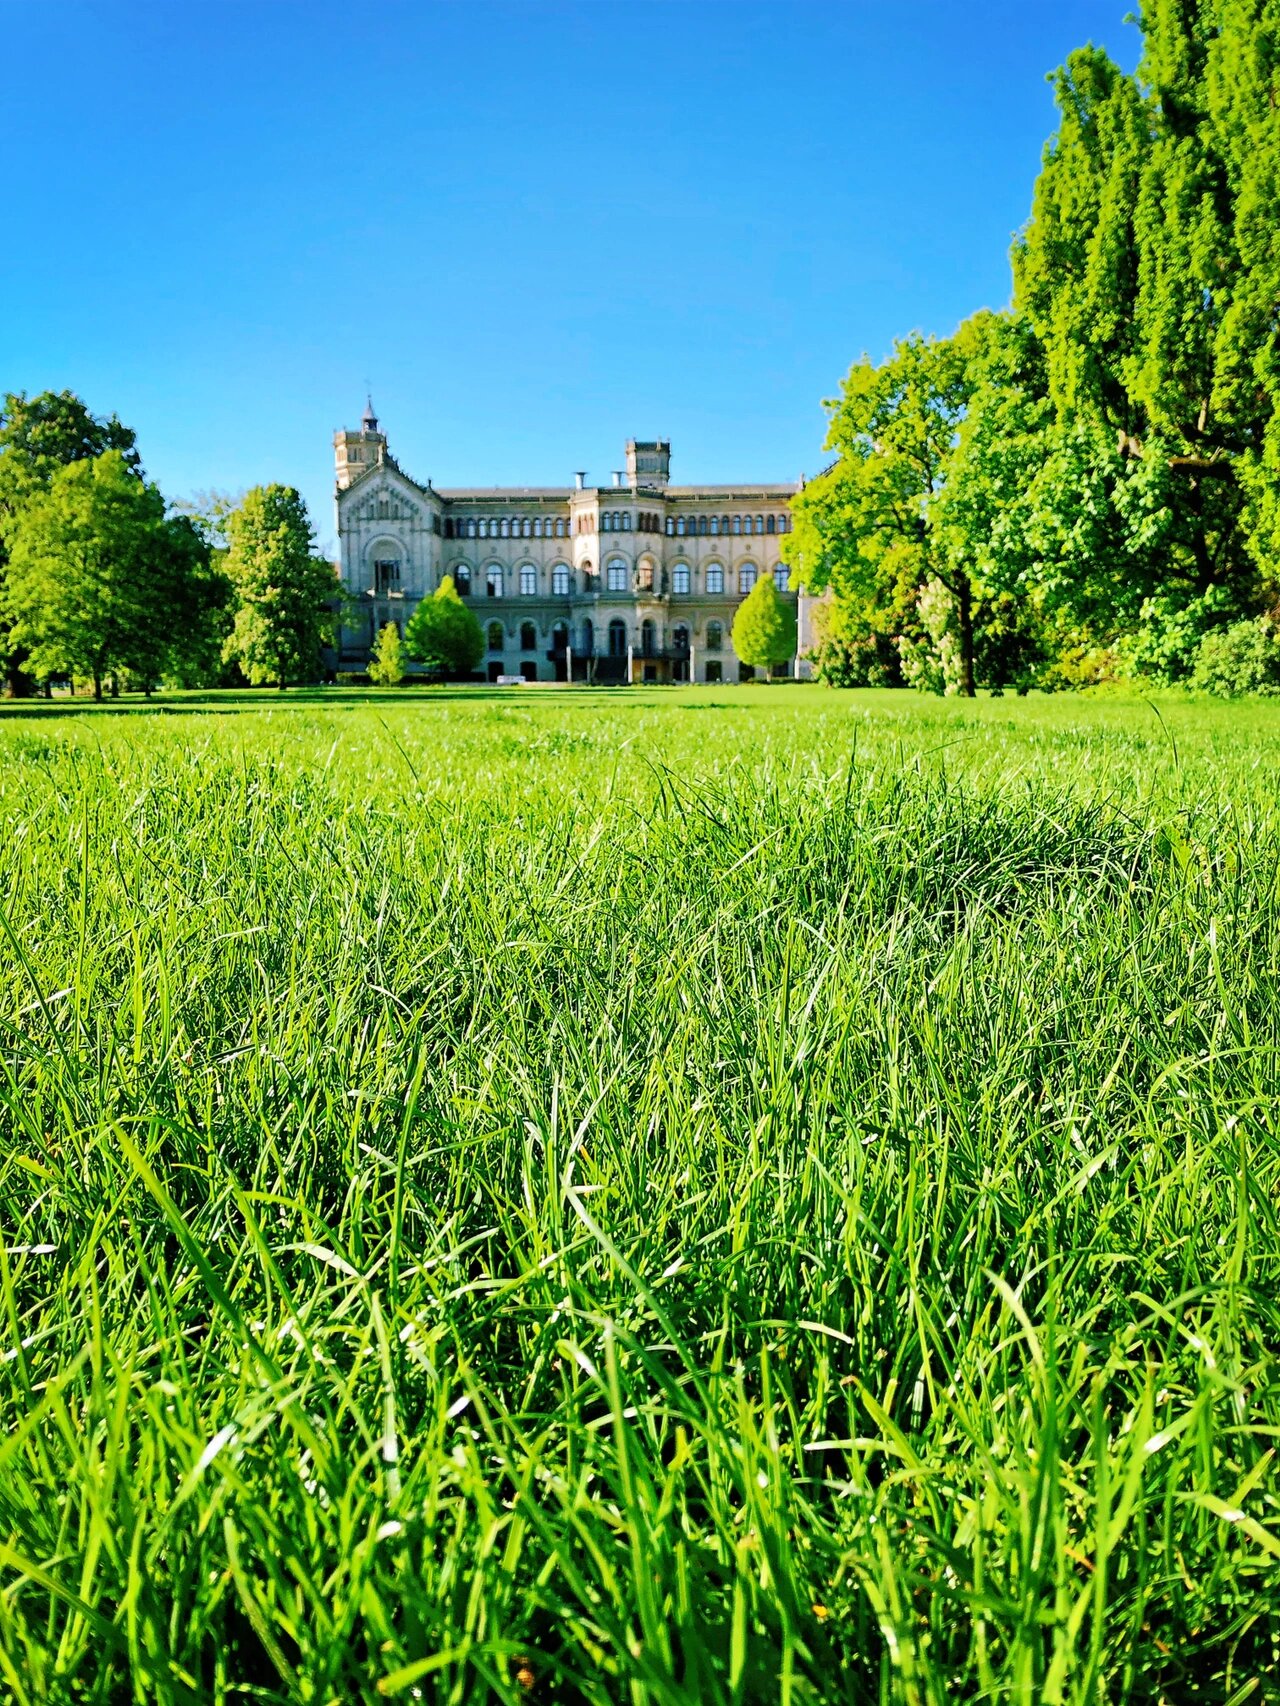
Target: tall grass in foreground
[{"x": 713, "y": 1198}]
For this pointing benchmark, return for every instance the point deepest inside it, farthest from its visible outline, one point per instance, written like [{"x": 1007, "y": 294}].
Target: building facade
[{"x": 637, "y": 580}]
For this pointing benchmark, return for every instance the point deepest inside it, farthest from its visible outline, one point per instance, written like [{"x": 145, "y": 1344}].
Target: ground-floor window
[
  {"x": 713, "y": 672},
  {"x": 529, "y": 671},
  {"x": 495, "y": 670},
  {"x": 617, "y": 639},
  {"x": 746, "y": 672}
]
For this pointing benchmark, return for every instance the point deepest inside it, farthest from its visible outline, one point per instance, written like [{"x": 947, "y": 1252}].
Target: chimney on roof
[
  {"x": 580, "y": 478},
  {"x": 617, "y": 476}
]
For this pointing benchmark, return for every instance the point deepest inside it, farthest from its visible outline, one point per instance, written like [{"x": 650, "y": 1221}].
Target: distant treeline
[
  {"x": 1087, "y": 484},
  {"x": 103, "y": 583}
]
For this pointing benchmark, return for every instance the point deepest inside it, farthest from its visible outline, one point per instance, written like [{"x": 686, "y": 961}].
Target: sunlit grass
[{"x": 680, "y": 1197}]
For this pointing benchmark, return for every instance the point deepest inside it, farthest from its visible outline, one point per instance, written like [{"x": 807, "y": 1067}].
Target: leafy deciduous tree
[
  {"x": 764, "y": 628},
  {"x": 444, "y": 634},
  {"x": 38, "y": 436},
  {"x": 287, "y": 597},
  {"x": 99, "y": 580},
  {"x": 386, "y": 666}
]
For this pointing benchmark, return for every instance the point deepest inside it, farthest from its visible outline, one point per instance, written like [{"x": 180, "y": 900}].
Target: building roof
[
  {"x": 474, "y": 494},
  {"x": 617, "y": 494}
]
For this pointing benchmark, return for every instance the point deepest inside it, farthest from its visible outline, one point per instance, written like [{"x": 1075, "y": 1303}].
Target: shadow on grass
[{"x": 234, "y": 701}]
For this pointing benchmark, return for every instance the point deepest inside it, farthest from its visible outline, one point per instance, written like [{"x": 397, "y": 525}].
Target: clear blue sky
[{"x": 536, "y": 229}]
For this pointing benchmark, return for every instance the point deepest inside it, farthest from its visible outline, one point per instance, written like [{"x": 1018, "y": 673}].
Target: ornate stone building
[{"x": 635, "y": 580}]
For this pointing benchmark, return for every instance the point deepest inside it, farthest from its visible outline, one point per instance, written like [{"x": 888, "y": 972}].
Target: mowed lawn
[{"x": 716, "y": 1195}]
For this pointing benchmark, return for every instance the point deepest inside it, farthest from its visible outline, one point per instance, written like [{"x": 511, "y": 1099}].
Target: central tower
[
  {"x": 648, "y": 461},
  {"x": 353, "y": 452}
]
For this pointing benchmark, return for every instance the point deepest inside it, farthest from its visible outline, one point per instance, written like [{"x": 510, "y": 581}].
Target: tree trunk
[
  {"x": 964, "y": 616},
  {"x": 97, "y": 687}
]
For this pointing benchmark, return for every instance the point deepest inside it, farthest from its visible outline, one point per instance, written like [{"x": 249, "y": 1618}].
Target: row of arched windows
[
  {"x": 506, "y": 527},
  {"x": 645, "y": 643},
  {"x": 611, "y": 521},
  {"x": 561, "y": 580},
  {"x": 680, "y": 526},
  {"x": 617, "y": 573},
  {"x": 620, "y": 521}
]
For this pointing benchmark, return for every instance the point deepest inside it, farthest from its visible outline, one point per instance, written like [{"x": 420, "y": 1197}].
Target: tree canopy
[
  {"x": 444, "y": 634},
  {"x": 99, "y": 579},
  {"x": 287, "y": 595},
  {"x": 764, "y": 628},
  {"x": 38, "y": 436},
  {"x": 1098, "y": 468}
]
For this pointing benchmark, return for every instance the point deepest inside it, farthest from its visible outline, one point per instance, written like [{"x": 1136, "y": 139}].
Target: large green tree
[
  {"x": 764, "y": 626},
  {"x": 863, "y": 527},
  {"x": 286, "y": 596},
  {"x": 444, "y": 634},
  {"x": 38, "y": 436},
  {"x": 1150, "y": 271},
  {"x": 100, "y": 581}
]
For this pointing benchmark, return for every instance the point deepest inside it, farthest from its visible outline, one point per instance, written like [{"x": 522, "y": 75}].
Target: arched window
[
  {"x": 462, "y": 580},
  {"x": 680, "y": 638},
  {"x": 562, "y": 527},
  {"x": 715, "y": 578},
  {"x": 471, "y": 527},
  {"x": 505, "y": 527},
  {"x": 617, "y": 639},
  {"x": 559, "y": 636},
  {"x": 737, "y": 524},
  {"x": 768, "y": 524},
  {"x": 616, "y": 575},
  {"x": 746, "y": 577},
  {"x": 588, "y": 638},
  {"x": 528, "y": 637},
  {"x": 526, "y": 528},
  {"x": 644, "y": 576},
  {"x": 782, "y": 578},
  {"x": 537, "y": 527},
  {"x": 759, "y": 524},
  {"x": 702, "y": 524},
  {"x": 784, "y": 524},
  {"x": 448, "y": 528},
  {"x": 483, "y": 527},
  {"x": 648, "y": 638},
  {"x": 606, "y": 521},
  {"x": 715, "y": 525},
  {"x": 715, "y": 636},
  {"x": 560, "y": 580},
  {"x": 493, "y": 581},
  {"x": 680, "y": 526},
  {"x": 626, "y": 521},
  {"x": 680, "y": 578},
  {"x": 671, "y": 527},
  {"x": 528, "y": 580},
  {"x": 496, "y": 638}
]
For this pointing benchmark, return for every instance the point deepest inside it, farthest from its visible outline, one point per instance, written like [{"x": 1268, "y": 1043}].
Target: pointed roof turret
[{"x": 368, "y": 421}]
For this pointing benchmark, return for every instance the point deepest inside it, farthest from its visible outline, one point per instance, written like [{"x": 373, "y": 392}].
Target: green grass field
[{"x": 709, "y": 1196}]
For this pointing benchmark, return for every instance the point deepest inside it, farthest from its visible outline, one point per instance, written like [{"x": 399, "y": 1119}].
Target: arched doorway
[
  {"x": 648, "y": 638},
  {"x": 617, "y": 638}
]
